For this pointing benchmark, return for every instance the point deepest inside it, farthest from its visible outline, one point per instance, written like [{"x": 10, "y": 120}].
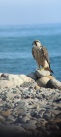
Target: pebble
[
  {"x": 29, "y": 126},
  {"x": 33, "y": 109},
  {"x": 2, "y": 119}
]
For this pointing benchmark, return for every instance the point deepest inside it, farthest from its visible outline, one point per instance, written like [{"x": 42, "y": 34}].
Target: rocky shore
[{"x": 30, "y": 105}]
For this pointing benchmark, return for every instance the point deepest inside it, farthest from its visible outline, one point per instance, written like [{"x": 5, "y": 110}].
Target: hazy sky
[{"x": 30, "y": 11}]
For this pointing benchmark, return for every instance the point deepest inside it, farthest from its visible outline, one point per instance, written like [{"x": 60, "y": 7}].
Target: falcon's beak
[{"x": 33, "y": 43}]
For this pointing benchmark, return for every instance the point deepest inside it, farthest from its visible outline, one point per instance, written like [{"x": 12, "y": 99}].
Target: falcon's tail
[{"x": 51, "y": 71}]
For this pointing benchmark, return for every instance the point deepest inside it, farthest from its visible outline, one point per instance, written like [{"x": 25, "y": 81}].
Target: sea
[{"x": 16, "y": 47}]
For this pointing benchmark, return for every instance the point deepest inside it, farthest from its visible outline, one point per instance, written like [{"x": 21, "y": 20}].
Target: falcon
[{"x": 41, "y": 56}]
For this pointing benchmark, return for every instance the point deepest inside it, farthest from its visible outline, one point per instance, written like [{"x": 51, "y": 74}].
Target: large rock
[
  {"x": 6, "y": 83},
  {"x": 9, "y": 80},
  {"x": 53, "y": 83},
  {"x": 42, "y": 73},
  {"x": 33, "y": 75},
  {"x": 42, "y": 81}
]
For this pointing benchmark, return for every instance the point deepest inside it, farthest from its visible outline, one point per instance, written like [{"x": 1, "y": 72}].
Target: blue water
[{"x": 16, "y": 46}]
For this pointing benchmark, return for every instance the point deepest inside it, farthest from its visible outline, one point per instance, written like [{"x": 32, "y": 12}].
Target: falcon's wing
[
  {"x": 33, "y": 52},
  {"x": 45, "y": 53}
]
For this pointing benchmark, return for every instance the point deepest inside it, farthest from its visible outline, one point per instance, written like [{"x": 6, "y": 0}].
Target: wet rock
[{"x": 33, "y": 75}]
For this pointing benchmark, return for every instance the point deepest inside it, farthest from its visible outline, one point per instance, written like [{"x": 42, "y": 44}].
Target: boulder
[
  {"x": 11, "y": 80},
  {"x": 53, "y": 83},
  {"x": 25, "y": 78},
  {"x": 42, "y": 73},
  {"x": 51, "y": 77},
  {"x": 42, "y": 81},
  {"x": 6, "y": 83},
  {"x": 33, "y": 75}
]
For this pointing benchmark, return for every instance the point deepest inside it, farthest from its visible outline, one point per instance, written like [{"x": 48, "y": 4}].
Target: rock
[
  {"x": 24, "y": 119},
  {"x": 42, "y": 73},
  {"x": 11, "y": 131},
  {"x": 37, "y": 87},
  {"x": 5, "y": 83},
  {"x": 25, "y": 78},
  {"x": 10, "y": 80},
  {"x": 33, "y": 75},
  {"x": 53, "y": 83},
  {"x": 28, "y": 105},
  {"x": 3, "y": 75},
  {"x": 20, "y": 112},
  {"x": 9, "y": 105},
  {"x": 51, "y": 77},
  {"x": 2, "y": 119},
  {"x": 21, "y": 105},
  {"x": 42, "y": 81},
  {"x": 30, "y": 125},
  {"x": 6, "y": 113},
  {"x": 10, "y": 118},
  {"x": 31, "y": 84},
  {"x": 17, "y": 80}
]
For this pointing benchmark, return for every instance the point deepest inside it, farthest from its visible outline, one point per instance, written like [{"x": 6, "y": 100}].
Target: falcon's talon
[{"x": 41, "y": 69}]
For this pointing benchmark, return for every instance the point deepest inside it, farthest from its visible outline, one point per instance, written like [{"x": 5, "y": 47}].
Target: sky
[{"x": 16, "y": 12}]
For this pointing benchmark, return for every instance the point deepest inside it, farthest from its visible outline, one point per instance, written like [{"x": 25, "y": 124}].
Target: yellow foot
[{"x": 41, "y": 68}]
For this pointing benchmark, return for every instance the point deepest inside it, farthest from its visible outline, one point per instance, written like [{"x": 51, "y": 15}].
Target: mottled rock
[{"x": 31, "y": 84}]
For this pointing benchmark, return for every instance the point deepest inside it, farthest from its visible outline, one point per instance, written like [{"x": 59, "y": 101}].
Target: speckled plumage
[{"x": 41, "y": 56}]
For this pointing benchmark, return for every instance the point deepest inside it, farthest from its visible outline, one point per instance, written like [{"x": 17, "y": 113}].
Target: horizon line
[{"x": 30, "y": 24}]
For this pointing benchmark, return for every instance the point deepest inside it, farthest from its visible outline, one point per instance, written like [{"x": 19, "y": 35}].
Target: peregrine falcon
[{"x": 41, "y": 56}]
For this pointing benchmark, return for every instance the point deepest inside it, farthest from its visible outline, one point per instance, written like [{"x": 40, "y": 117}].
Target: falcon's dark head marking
[{"x": 37, "y": 43}]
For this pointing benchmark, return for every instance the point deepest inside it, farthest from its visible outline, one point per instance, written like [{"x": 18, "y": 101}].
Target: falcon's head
[{"x": 37, "y": 44}]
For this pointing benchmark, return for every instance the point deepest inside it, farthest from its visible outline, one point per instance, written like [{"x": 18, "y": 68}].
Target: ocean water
[{"x": 16, "y": 46}]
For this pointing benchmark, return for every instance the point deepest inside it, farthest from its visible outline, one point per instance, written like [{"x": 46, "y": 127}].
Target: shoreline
[{"x": 27, "y": 109}]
